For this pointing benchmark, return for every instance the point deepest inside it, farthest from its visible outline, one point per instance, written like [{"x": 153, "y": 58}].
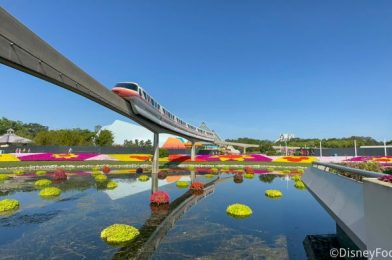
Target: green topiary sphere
[
  {"x": 43, "y": 183},
  {"x": 273, "y": 193},
  {"x": 143, "y": 178},
  {"x": 182, "y": 184},
  {"x": 50, "y": 192},
  {"x": 119, "y": 233},
  {"x": 239, "y": 210},
  {"x": 101, "y": 178},
  {"x": 111, "y": 185},
  {"x": 8, "y": 205}
]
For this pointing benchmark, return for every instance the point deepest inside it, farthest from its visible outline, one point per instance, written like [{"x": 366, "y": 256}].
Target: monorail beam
[{"x": 155, "y": 157}]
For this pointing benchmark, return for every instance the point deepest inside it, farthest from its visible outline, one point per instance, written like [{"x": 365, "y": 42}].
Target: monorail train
[{"x": 143, "y": 104}]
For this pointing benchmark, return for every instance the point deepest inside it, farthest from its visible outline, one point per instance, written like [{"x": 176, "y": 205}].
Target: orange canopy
[{"x": 173, "y": 143}]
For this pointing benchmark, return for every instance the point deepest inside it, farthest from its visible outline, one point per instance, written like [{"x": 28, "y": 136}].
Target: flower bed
[
  {"x": 273, "y": 193},
  {"x": 159, "y": 197},
  {"x": 197, "y": 186},
  {"x": 4, "y": 177},
  {"x": 296, "y": 159},
  {"x": 249, "y": 175},
  {"x": 8, "y": 158},
  {"x": 119, "y": 233},
  {"x": 131, "y": 157},
  {"x": 50, "y": 192},
  {"x": 299, "y": 185},
  {"x": 56, "y": 157},
  {"x": 101, "y": 178},
  {"x": 239, "y": 210},
  {"x": 40, "y": 172},
  {"x": 7, "y": 205},
  {"x": 387, "y": 178}
]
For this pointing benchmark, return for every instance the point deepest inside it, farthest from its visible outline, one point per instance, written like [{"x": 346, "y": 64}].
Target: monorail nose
[{"x": 123, "y": 92}]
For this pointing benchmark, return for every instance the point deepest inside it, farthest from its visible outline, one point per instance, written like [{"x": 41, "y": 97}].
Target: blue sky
[{"x": 246, "y": 68}]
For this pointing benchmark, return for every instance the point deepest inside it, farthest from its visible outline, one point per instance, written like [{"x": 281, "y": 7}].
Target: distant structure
[{"x": 11, "y": 138}]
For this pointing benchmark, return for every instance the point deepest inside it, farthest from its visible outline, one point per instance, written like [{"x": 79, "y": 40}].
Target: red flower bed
[
  {"x": 159, "y": 197},
  {"x": 197, "y": 186},
  {"x": 106, "y": 169},
  {"x": 249, "y": 170}
]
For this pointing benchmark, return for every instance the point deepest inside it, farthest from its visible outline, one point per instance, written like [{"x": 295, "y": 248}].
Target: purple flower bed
[
  {"x": 57, "y": 157},
  {"x": 359, "y": 159},
  {"x": 207, "y": 158},
  {"x": 387, "y": 178},
  {"x": 258, "y": 158}
]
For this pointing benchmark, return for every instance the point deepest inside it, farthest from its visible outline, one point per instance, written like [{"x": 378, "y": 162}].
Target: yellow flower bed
[
  {"x": 239, "y": 210},
  {"x": 50, "y": 192},
  {"x": 119, "y": 233},
  {"x": 182, "y": 184},
  {"x": 111, "y": 185},
  {"x": 296, "y": 159},
  {"x": 273, "y": 193},
  {"x": 299, "y": 185},
  {"x": 8, "y": 205},
  {"x": 143, "y": 178},
  {"x": 101, "y": 178},
  {"x": 131, "y": 157},
  {"x": 8, "y": 158},
  {"x": 43, "y": 183}
]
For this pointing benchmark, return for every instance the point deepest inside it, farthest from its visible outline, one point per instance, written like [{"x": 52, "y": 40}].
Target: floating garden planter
[
  {"x": 143, "y": 178},
  {"x": 249, "y": 170},
  {"x": 249, "y": 175},
  {"x": 162, "y": 175},
  {"x": 96, "y": 172},
  {"x": 8, "y": 205},
  {"x": 59, "y": 174},
  {"x": 299, "y": 185},
  {"x": 273, "y": 193},
  {"x": 111, "y": 185},
  {"x": 50, "y": 192},
  {"x": 4, "y": 177},
  {"x": 238, "y": 178},
  {"x": 239, "y": 210},
  {"x": 101, "y": 178},
  {"x": 208, "y": 175},
  {"x": 119, "y": 233},
  {"x": 40, "y": 172},
  {"x": 213, "y": 170},
  {"x": 159, "y": 197},
  {"x": 18, "y": 172},
  {"x": 197, "y": 186},
  {"x": 43, "y": 183},
  {"x": 106, "y": 169},
  {"x": 296, "y": 177},
  {"x": 182, "y": 184}
]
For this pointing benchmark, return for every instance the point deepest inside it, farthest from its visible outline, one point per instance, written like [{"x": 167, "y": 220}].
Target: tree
[
  {"x": 163, "y": 153},
  {"x": 105, "y": 138}
]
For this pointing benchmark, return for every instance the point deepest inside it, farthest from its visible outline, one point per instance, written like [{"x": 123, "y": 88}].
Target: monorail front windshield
[{"x": 130, "y": 86}]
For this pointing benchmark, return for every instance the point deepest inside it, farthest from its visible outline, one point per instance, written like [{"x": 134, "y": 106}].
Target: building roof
[{"x": 11, "y": 138}]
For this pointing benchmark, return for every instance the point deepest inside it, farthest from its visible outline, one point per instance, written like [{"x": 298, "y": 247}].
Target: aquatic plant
[
  {"x": 50, "y": 192},
  {"x": 111, "y": 185},
  {"x": 239, "y": 210},
  {"x": 182, "y": 184},
  {"x": 249, "y": 175},
  {"x": 143, "y": 178},
  {"x": 273, "y": 193},
  {"x": 119, "y": 233},
  {"x": 40, "y": 172},
  {"x": 101, "y": 178},
  {"x": 248, "y": 169},
  {"x": 159, "y": 197},
  {"x": 296, "y": 177},
  {"x": 197, "y": 186},
  {"x": 106, "y": 169},
  {"x": 8, "y": 205},
  {"x": 139, "y": 170},
  {"x": 386, "y": 178},
  {"x": 238, "y": 178},
  {"x": 299, "y": 185},
  {"x": 4, "y": 177},
  {"x": 162, "y": 175},
  {"x": 43, "y": 183},
  {"x": 59, "y": 174}
]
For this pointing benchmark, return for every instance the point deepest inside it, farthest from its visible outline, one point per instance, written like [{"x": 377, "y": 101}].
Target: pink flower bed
[
  {"x": 257, "y": 158},
  {"x": 57, "y": 157}
]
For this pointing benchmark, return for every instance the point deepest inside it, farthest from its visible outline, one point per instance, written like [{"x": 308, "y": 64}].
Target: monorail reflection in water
[{"x": 192, "y": 226}]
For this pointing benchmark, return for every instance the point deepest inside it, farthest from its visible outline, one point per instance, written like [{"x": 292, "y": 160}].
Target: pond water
[{"x": 194, "y": 226}]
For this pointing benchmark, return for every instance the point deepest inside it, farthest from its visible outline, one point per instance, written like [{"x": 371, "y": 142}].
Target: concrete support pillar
[
  {"x": 244, "y": 150},
  {"x": 154, "y": 182},
  {"x": 155, "y": 157},
  {"x": 193, "y": 152}
]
